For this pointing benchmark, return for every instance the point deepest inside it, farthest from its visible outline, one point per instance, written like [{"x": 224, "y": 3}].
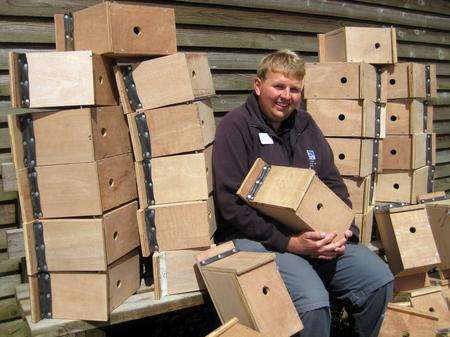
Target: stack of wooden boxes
[
  {"x": 172, "y": 130},
  {"x": 75, "y": 170},
  {"x": 346, "y": 96}
]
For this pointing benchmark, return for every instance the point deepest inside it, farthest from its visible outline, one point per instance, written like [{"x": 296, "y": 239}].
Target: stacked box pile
[
  {"x": 74, "y": 162},
  {"x": 172, "y": 130},
  {"x": 346, "y": 96}
]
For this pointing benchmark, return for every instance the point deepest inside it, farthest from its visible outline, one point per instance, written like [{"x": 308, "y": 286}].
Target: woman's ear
[{"x": 257, "y": 83}]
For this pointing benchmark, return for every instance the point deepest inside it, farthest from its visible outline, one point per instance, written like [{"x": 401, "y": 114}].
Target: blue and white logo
[{"x": 312, "y": 158}]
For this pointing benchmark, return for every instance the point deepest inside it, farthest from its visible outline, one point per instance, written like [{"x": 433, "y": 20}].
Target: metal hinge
[
  {"x": 44, "y": 280},
  {"x": 442, "y": 197},
  {"x": 29, "y": 161},
  {"x": 385, "y": 208},
  {"x": 377, "y": 120},
  {"x": 259, "y": 181},
  {"x": 372, "y": 188},
  {"x": 24, "y": 82},
  {"x": 147, "y": 167},
  {"x": 425, "y": 116},
  {"x": 146, "y": 269},
  {"x": 427, "y": 81},
  {"x": 376, "y": 150},
  {"x": 144, "y": 135},
  {"x": 378, "y": 83},
  {"x": 130, "y": 87},
  {"x": 151, "y": 228},
  {"x": 429, "y": 149},
  {"x": 69, "y": 44},
  {"x": 430, "y": 180},
  {"x": 219, "y": 257}
]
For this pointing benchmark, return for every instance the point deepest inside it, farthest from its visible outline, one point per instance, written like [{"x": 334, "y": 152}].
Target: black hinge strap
[
  {"x": 29, "y": 161},
  {"x": 377, "y": 120},
  {"x": 378, "y": 84},
  {"x": 23, "y": 80},
  {"x": 386, "y": 208},
  {"x": 427, "y": 81},
  {"x": 44, "y": 280},
  {"x": 130, "y": 87},
  {"x": 425, "y": 116},
  {"x": 147, "y": 167},
  {"x": 146, "y": 269},
  {"x": 144, "y": 135},
  {"x": 376, "y": 150},
  {"x": 372, "y": 188},
  {"x": 219, "y": 257},
  {"x": 430, "y": 180},
  {"x": 429, "y": 149},
  {"x": 259, "y": 181},
  {"x": 151, "y": 228},
  {"x": 69, "y": 44},
  {"x": 442, "y": 197}
]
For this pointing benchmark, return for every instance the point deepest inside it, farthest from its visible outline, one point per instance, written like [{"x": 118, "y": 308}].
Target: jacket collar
[{"x": 298, "y": 120}]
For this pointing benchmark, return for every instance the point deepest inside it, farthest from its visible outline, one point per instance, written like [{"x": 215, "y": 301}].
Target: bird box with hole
[
  {"x": 81, "y": 244},
  {"x": 408, "y": 116},
  {"x": 248, "y": 286},
  {"x": 404, "y": 186},
  {"x": 172, "y": 130},
  {"x": 68, "y": 136},
  {"x": 179, "y": 178},
  {"x": 411, "y": 80},
  {"x": 163, "y": 81},
  {"x": 296, "y": 197},
  {"x": 358, "y": 44},
  {"x": 341, "y": 80},
  {"x": 361, "y": 191},
  {"x": 400, "y": 321},
  {"x": 432, "y": 300},
  {"x": 76, "y": 190},
  {"x": 408, "y": 152},
  {"x": 176, "y": 272},
  {"x": 81, "y": 295},
  {"x": 183, "y": 225},
  {"x": 60, "y": 79},
  {"x": 118, "y": 29},
  {"x": 407, "y": 238},
  {"x": 233, "y": 328},
  {"x": 439, "y": 216},
  {"x": 349, "y": 118},
  {"x": 355, "y": 157}
]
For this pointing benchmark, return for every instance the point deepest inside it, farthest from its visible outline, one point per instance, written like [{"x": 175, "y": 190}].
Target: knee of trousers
[{"x": 308, "y": 300}]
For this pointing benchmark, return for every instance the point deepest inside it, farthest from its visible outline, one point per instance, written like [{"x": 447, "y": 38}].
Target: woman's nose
[{"x": 286, "y": 93}]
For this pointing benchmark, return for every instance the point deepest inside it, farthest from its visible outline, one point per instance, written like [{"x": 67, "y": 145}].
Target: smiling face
[{"x": 278, "y": 95}]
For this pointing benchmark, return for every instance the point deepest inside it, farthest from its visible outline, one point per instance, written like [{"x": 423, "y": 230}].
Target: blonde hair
[{"x": 283, "y": 61}]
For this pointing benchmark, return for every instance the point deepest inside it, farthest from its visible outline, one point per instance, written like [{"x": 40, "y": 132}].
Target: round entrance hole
[
  {"x": 343, "y": 80},
  {"x": 396, "y": 186},
  {"x": 137, "y": 30},
  {"x": 116, "y": 235},
  {"x": 265, "y": 290},
  {"x": 392, "y": 81},
  {"x": 377, "y": 45},
  {"x": 412, "y": 229},
  {"x": 103, "y": 132},
  {"x": 393, "y": 118},
  {"x": 393, "y": 152},
  {"x": 341, "y": 117},
  {"x": 341, "y": 156},
  {"x": 119, "y": 284},
  {"x": 319, "y": 206},
  {"x": 111, "y": 182}
]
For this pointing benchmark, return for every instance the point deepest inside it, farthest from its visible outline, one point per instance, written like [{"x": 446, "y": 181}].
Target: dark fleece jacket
[{"x": 298, "y": 143}]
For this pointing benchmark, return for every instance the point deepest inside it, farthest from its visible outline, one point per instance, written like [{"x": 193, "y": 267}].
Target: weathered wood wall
[{"x": 236, "y": 33}]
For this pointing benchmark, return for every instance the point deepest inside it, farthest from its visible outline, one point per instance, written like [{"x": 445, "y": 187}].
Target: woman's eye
[{"x": 295, "y": 90}]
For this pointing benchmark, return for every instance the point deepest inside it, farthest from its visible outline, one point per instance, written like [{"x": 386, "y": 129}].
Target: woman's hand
[{"x": 317, "y": 244}]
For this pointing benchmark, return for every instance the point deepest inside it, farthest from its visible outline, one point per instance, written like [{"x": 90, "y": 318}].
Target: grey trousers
[{"x": 358, "y": 278}]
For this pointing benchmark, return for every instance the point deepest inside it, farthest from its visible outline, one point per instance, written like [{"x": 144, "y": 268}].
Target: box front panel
[
  {"x": 142, "y": 30},
  {"x": 340, "y": 118},
  {"x": 332, "y": 80},
  {"x": 359, "y": 190},
  {"x": 347, "y": 155},
  {"x": 439, "y": 218},
  {"x": 60, "y": 79},
  {"x": 401, "y": 323},
  {"x": 370, "y": 45},
  {"x": 434, "y": 303},
  {"x": 397, "y": 153},
  {"x": 397, "y": 81},
  {"x": 399, "y": 117},
  {"x": 200, "y": 74},
  {"x": 415, "y": 239},
  {"x": 394, "y": 186}
]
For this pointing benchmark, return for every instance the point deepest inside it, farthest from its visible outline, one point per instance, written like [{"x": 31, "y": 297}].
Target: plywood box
[
  {"x": 402, "y": 321},
  {"x": 233, "y": 328},
  {"x": 296, "y": 197},
  {"x": 118, "y": 29},
  {"x": 403, "y": 186},
  {"x": 163, "y": 81},
  {"x": 408, "y": 152},
  {"x": 70, "y": 136},
  {"x": 349, "y": 118},
  {"x": 407, "y": 239},
  {"x": 248, "y": 286},
  {"x": 88, "y": 295},
  {"x": 172, "y": 130},
  {"x": 84, "y": 244},
  {"x": 411, "y": 80},
  {"x": 365, "y": 224},
  {"x": 186, "y": 177},
  {"x": 340, "y": 80},
  {"x": 59, "y": 79},
  {"x": 176, "y": 272},
  {"x": 408, "y": 283},
  {"x": 439, "y": 217},
  {"x": 355, "y": 157},
  {"x": 183, "y": 225},
  {"x": 358, "y": 44},
  {"x": 361, "y": 192},
  {"x": 76, "y": 190},
  {"x": 408, "y": 116}
]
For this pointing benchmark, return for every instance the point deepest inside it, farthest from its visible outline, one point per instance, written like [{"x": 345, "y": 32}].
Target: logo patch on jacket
[{"x": 312, "y": 158}]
